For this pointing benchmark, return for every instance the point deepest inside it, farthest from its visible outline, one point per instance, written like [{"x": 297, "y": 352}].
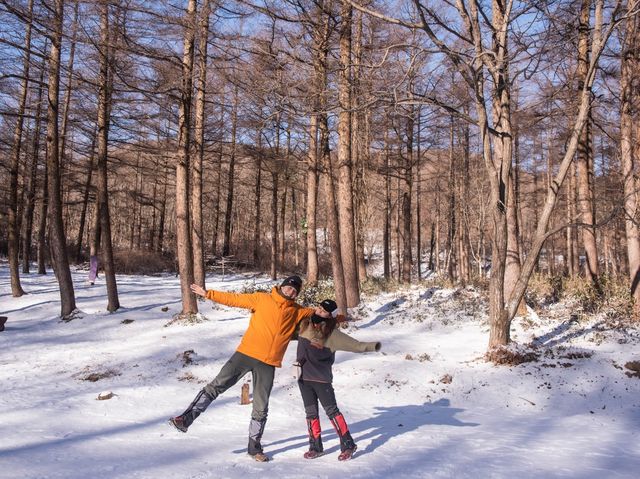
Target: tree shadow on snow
[
  {"x": 567, "y": 331},
  {"x": 387, "y": 423},
  {"x": 384, "y": 310}
]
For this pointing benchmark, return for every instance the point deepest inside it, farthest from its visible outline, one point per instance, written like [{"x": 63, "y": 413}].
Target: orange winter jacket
[{"x": 273, "y": 321}]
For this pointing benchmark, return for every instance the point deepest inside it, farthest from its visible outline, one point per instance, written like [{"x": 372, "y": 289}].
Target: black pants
[
  {"x": 238, "y": 365},
  {"x": 312, "y": 392}
]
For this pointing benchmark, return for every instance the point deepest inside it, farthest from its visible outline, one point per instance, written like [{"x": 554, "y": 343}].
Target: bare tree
[
  {"x": 196, "y": 193},
  {"x": 320, "y": 50},
  {"x": 56, "y": 226},
  {"x": 496, "y": 130},
  {"x": 344, "y": 166},
  {"x": 13, "y": 228},
  {"x": 104, "y": 120},
  {"x": 628, "y": 99},
  {"x": 183, "y": 220},
  {"x": 226, "y": 245},
  {"x": 29, "y": 208},
  {"x": 584, "y": 158}
]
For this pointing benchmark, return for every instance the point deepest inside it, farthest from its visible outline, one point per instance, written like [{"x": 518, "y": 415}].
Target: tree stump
[{"x": 244, "y": 395}]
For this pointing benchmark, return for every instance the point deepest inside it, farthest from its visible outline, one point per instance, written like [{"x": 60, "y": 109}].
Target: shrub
[
  {"x": 312, "y": 295},
  {"x": 543, "y": 290},
  {"x": 373, "y": 286},
  {"x": 142, "y": 262},
  {"x": 612, "y": 297}
]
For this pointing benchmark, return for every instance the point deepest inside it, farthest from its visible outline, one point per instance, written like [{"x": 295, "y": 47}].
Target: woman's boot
[
  {"x": 315, "y": 439},
  {"x": 347, "y": 446}
]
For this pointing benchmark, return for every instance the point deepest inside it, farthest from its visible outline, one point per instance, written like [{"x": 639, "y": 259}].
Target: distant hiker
[
  {"x": 318, "y": 341},
  {"x": 273, "y": 321},
  {"x": 93, "y": 269}
]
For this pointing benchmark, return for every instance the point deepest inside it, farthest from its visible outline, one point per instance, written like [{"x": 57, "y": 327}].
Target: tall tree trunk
[
  {"x": 499, "y": 163},
  {"x": 316, "y": 128},
  {"x": 282, "y": 224},
  {"x": 44, "y": 209},
  {"x": 436, "y": 242},
  {"x": 584, "y": 158},
  {"x": 104, "y": 119},
  {"x": 218, "y": 183},
  {"x": 226, "y": 245},
  {"x": 56, "y": 227},
  {"x": 183, "y": 220},
  {"x": 513, "y": 260},
  {"x": 387, "y": 207},
  {"x": 360, "y": 147},
  {"x": 257, "y": 202},
  {"x": 629, "y": 96},
  {"x": 43, "y": 236},
  {"x": 512, "y": 267},
  {"x": 407, "y": 257},
  {"x": 27, "y": 222},
  {"x": 418, "y": 221},
  {"x": 275, "y": 175},
  {"x": 572, "y": 234},
  {"x": 163, "y": 206},
  {"x": 85, "y": 197},
  {"x": 296, "y": 233},
  {"x": 196, "y": 194},
  {"x": 406, "y": 234},
  {"x": 312, "y": 198},
  {"x": 332, "y": 217},
  {"x": 274, "y": 225},
  {"x": 452, "y": 234},
  {"x": 283, "y": 203},
  {"x": 44, "y": 215},
  {"x": 345, "y": 186},
  {"x": 67, "y": 96},
  {"x": 464, "y": 254},
  {"x": 432, "y": 244},
  {"x": 13, "y": 228}
]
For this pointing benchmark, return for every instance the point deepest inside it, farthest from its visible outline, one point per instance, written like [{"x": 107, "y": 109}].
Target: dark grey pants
[{"x": 262, "y": 376}]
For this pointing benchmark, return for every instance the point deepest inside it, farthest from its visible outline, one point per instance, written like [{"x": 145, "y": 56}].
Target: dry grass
[{"x": 511, "y": 355}]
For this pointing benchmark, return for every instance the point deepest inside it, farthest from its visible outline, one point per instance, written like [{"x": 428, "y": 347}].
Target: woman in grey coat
[{"x": 318, "y": 341}]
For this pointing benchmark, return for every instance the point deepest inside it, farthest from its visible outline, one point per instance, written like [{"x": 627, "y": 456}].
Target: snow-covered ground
[{"x": 427, "y": 406}]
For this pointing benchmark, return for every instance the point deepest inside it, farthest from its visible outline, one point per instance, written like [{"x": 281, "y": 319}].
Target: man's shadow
[{"x": 386, "y": 423}]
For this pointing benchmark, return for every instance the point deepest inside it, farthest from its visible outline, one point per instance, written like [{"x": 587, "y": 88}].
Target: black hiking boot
[{"x": 197, "y": 407}]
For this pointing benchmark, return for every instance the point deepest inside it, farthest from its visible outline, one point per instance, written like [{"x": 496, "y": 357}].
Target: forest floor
[{"x": 428, "y": 405}]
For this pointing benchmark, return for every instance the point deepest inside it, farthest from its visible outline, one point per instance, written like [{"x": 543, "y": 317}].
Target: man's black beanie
[{"x": 293, "y": 281}]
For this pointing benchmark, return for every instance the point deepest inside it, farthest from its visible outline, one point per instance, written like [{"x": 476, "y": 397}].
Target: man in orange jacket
[{"x": 271, "y": 327}]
